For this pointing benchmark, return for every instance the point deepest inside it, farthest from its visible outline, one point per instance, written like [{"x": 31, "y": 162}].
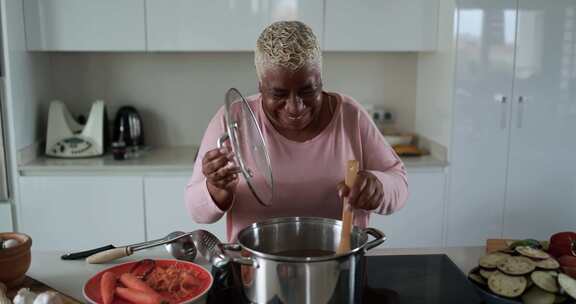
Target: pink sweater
[{"x": 305, "y": 173}]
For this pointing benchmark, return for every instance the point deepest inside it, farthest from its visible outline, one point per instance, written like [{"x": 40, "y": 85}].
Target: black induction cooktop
[{"x": 401, "y": 279}]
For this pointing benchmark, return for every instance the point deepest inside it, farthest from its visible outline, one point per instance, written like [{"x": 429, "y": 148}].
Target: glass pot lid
[{"x": 249, "y": 147}]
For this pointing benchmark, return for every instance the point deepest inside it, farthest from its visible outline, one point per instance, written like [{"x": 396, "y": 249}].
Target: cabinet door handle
[
  {"x": 503, "y": 100},
  {"x": 520, "y": 118}
]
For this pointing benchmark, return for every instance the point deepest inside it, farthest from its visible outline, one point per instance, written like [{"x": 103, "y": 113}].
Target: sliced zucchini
[
  {"x": 550, "y": 263},
  {"x": 527, "y": 242},
  {"x": 517, "y": 265},
  {"x": 529, "y": 280},
  {"x": 532, "y": 252},
  {"x": 486, "y": 274},
  {"x": 492, "y": 260},
  {"x": 507, "y": 286},
  {"x": 568, "y": 284},
  {"x": 536, "y": 295},
  {"x": 545, "y": 280},
  {"x": 476, "y": 278},
  {"x": 508, "y": 251}
]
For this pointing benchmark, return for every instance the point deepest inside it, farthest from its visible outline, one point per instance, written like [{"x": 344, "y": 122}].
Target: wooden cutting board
[{"x": 38, "y": 287}]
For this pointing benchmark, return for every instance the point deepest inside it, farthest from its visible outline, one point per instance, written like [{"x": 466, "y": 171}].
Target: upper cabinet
[
  {"x": 226, "y": 25},
  {"x": 381, "y": 25},
  {"x": 85, "y": 25},
  {"x": 221, "y": 25}
]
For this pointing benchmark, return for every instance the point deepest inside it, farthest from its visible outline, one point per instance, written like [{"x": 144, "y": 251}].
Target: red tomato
[
  {"x": 571, "y": 271},
  {"x": 563, "y": 243},
  {"x": 567, "y": 261}
]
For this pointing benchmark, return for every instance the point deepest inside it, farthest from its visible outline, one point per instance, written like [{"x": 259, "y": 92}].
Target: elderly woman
[{"x": 310, "y": 134}]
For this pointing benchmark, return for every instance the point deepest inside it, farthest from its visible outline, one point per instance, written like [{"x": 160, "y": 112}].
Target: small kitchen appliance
[
  {"x": 128, "y": 128},
  {"x": 128, "y": 134},
  {"x": 68, "y": 138}
]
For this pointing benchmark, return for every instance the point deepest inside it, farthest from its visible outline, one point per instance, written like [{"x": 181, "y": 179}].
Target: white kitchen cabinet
[
  {"x": 6, "y": 217},
  {"x": 221, "y": 25},
  {"x": 513, "y": 161},
  {"x": 421, "y": 222},
  {"x": 484, "y": 75},
  {"x": 85, "y": 25},
  {"x": 381, "y": 25},
  {"x": 541, "y": 196},
  {"x": 71, "y": 213},
  {"x": 166, "y": 210}
]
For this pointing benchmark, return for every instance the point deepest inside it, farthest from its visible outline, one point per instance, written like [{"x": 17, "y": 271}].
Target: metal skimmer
[{"x": 209, "y": 247}]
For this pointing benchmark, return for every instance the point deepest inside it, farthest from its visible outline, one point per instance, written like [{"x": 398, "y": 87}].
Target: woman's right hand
[{"x": 221, "y": 176}]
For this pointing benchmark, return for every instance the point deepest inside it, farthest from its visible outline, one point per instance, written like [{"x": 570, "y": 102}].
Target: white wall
[
  {"x": 387, "y": 79},
  {"x": 177, "y": 93},
  {"x": 435, "y": 79}
]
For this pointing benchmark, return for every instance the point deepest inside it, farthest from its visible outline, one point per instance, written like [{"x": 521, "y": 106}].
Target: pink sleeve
[
  {"x": 199, "y": 203},
  {"x": 381, "y": 160}
]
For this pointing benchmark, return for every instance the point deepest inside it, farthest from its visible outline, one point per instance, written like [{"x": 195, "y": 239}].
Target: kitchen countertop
[
  {"x": 154, "y": 160},
  {"x": 70, "y": 276},
  {"x": 179, "y": 160},
  {"x": 423, "y": 162}
]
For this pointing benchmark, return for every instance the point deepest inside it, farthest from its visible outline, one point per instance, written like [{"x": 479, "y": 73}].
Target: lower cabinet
[
  {"x": 84, "y": 212},
  {"x": 166, "y": 211},
  {"x": 421, "y": 222}
]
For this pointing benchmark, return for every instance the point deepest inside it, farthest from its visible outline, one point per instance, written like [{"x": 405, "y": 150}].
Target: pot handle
[
  {"x": 247, "y": 261},
  {"x": 221, "y": 140},
  {"x": 379, "y": 238}
]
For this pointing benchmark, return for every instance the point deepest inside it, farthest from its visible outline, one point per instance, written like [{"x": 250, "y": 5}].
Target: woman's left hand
[{"x": 366, "y": 193}]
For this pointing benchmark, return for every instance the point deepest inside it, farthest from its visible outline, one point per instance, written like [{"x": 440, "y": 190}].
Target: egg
[
  {"x": 48, "y": 297},
  {"x": 25, "y": 296}
]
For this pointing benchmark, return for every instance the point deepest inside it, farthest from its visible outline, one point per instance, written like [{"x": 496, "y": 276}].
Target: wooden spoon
[{"x": 347, "y": 216}]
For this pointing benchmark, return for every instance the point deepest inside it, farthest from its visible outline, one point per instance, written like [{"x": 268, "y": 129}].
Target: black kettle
[{"x": 128, "y": 127}]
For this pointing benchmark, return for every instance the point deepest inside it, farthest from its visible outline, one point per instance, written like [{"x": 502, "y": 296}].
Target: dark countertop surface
[
  {"x": 405, "y": 279},
  {"x": 421, "y": 279}
]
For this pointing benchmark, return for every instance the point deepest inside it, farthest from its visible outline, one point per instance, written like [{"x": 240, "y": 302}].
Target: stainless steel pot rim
[{"x": 364, "y": 247}]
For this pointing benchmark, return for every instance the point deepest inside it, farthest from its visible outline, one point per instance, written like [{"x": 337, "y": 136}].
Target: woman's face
[{"x": 291, "y": 100}]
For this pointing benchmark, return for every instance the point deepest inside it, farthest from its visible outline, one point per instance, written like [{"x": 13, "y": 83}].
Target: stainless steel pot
[{"x": 272, "y": 274}]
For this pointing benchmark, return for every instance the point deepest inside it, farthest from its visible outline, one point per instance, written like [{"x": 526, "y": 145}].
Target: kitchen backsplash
[{"x": 177, "y": 93}]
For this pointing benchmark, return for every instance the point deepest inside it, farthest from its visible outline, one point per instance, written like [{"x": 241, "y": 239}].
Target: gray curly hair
[{"x": 288, "y": 44}]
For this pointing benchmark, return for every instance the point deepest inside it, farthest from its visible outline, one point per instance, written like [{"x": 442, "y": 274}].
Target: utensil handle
[
  {"x": 379, "y": 238},
  {"x": 86, "y": 253},
  {"x": 109, "y": 255},
  {"x": 242, "y": 260},
  {"x": 220, "y": 143},
  {"x": 347, "y": 216}
]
